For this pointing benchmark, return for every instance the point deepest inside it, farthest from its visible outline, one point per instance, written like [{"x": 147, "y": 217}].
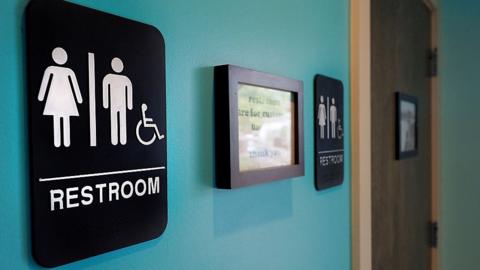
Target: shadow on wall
[
  {"x": 204, "y": 130},
  {"x": 239, "y": 209},
  {"x": 23, "y": 169}
]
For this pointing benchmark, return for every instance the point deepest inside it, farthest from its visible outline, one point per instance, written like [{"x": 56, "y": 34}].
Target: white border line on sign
[
  {"x": 99, "y": 174},
  {"x": 331, "y": 151}
]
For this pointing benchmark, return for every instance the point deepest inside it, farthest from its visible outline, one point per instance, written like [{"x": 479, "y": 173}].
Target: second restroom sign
[
  {"x": 96, "y": 89},
  {"x": 329, "y": 132}
]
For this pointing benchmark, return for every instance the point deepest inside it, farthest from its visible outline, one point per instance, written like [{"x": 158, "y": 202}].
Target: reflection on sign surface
[
  {"x": 265, "y": 128},
  {"x": 407, "y": 126}
]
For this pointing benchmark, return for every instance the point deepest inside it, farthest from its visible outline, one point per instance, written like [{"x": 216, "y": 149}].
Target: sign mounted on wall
[
  {"x": 97, "y": 128},
  {"x": 329, "y": 132},
  {"x": 259, "y": 127}
]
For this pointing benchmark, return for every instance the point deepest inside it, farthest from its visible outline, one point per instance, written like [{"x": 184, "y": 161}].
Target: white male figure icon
[
  {"x": 333, "y": 118},
  {"x": 117, "y": 94},
  {"x": 322, "y": 117}
]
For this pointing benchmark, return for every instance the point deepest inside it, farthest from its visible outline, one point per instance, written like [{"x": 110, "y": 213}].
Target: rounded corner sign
[
  {"x": 97, "y": 131},
  {"x": 329, "y": 132}
]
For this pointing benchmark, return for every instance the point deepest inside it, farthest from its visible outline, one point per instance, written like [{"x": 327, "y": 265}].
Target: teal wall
[
  {"x": 280, "y": 225},
  {"x": 460, "y": 133}
]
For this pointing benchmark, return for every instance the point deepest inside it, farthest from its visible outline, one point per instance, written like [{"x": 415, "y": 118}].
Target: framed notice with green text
[{"x": 259, "y": 127}]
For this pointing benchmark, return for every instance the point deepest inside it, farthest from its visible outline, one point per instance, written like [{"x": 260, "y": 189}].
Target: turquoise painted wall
[
  {"x": 460, "y": 133},
  {"x": 280, "y": 225}
]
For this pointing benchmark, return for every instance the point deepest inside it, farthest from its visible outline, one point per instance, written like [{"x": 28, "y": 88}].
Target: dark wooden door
[{"x": 401, "y": 189}]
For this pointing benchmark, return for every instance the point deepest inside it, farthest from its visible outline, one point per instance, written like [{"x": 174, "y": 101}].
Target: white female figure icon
[
  {"x": 62, "y": 87},
  {"x": 322, "y": 117}
]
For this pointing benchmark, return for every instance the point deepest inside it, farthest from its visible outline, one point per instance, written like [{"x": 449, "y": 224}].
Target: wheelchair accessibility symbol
[{"x": 148, "y": 125}]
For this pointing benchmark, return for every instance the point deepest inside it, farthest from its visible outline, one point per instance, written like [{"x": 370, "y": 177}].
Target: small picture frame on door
[
  {"x": 258, "y": 127},
  {"x": 406, "y": 126}
]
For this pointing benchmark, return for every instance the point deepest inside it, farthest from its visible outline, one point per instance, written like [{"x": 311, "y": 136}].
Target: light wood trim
[
  {"x": 360, "y": 76},
  {"x": 435, "y": 133}
]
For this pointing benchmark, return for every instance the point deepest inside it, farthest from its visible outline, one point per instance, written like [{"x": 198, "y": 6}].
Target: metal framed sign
[
  {"x": 97, "y": 131},
  {"x": 259, "y": 127},
  {"x": 329, "y": 132}
]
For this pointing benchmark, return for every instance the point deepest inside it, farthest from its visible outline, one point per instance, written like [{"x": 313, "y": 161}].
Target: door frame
[
  {"x": 435, "y": 134},
  {"x": 360, "y": 87}
]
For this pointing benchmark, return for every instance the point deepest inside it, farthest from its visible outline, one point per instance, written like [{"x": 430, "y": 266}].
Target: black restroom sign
[
  {"x": 329, "y": 132},
  {"x": 97, "y": 131}
]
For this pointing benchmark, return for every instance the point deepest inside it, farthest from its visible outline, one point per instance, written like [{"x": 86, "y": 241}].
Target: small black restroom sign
[
  {"x": 97, "y": 131},
  {"x": 329, "y": 132}
]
